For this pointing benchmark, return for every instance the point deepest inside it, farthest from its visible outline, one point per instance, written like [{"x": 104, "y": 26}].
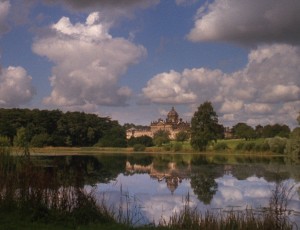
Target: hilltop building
[{"x": 172, "y": 124}]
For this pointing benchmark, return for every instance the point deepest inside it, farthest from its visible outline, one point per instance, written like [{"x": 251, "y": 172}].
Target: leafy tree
[
  {"x": 144, "y": 140},
  {"x": 293, "y": 144},
  {"x": 161, "y": 137},
  {"x": 259, "y": 131},
  {"x": 182, "y": 136},
  {"x": 276, "y": 130},
  {"x": 4, "y": 141},
  {"x": 40, "y": 140},
  {"x": 242, "y": 130},
  {"x": 115, "y": 137},
  {"x": 21, "y": 138},
  {"x": 204, "y": 126}
]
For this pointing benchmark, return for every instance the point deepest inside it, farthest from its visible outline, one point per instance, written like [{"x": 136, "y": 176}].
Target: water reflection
[{"x": 158, "y": 184}]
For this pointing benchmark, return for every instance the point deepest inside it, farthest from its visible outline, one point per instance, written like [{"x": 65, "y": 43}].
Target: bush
[
  {"x": 167, "y": 147},
  {"x": 261, "y": 147},
  {"x": 220, "y": 146},
  {"x": 139, "y": 148},
  {"x": 39, "y": 140},
  {"x": 249, "y": 146},
  {"x": 4, "y": 141},
  {"x": 177, "y": 147},
  {"x": 277, "y": 144},
  {"x": 239, "y": 146},
  {"x": 144, "y": 140}
]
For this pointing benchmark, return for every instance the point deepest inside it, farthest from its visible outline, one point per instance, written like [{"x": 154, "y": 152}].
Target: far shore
[{"x": 69, "y": 151}]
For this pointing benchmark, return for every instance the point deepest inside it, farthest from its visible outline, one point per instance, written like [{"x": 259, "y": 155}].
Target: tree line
[{"x": 39, "y": 128}]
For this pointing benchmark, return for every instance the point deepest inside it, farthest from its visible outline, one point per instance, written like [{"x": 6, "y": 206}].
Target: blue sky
[{"x": 133, "y": 60}]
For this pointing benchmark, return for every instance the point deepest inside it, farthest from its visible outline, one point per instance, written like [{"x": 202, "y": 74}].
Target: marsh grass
[{"x": 275, "y": 216}]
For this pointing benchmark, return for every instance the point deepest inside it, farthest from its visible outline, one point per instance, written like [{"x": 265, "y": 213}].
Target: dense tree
[
  {"x": 182, "y": 136},
  {"x": 143, "y": 140},
  {"x": 204, "y": 127},
  {"x": 276, "y": 130},
  {"x": 115, "y": 137},
  {"x": 242, "y": 130},
  {"x": 258, "y": 131},
  {"x": 161, "y": 137},
  {"x": 293, "y": 144},
  {"x": 56, "y": 128}
]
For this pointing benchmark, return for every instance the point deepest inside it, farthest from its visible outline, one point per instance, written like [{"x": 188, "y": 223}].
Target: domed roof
[
  {"x": 172, "y": 116},
  {"x": 173, "y": 113}
]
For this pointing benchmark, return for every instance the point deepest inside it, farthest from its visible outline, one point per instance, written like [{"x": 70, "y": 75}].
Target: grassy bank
[{"x": 226, "y": 147}]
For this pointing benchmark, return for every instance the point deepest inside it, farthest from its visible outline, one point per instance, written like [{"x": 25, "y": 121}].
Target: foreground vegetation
[{"x": 37, "y": 197}]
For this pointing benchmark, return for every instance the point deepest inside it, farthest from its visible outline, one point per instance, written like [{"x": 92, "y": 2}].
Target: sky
[{"x": 132, "y": 60}]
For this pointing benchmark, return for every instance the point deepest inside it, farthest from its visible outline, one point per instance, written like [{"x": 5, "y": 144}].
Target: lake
[{"x": 152, "y": 187}]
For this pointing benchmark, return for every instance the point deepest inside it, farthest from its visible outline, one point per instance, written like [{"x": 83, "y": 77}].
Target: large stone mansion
[{"x": 173, "y": 124}]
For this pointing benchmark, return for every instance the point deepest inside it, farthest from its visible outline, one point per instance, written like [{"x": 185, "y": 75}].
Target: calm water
[{"x": 156, "y": 186}]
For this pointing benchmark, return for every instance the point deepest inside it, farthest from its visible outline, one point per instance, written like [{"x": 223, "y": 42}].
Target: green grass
[{"x": 13, "y": 221}]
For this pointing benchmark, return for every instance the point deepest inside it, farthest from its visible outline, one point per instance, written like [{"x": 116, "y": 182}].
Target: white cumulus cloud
[
  {"x": 88, "y": 62},
  {"x": 248, "y": 22},
  {"x": 15, "y": 87},
  {"x": 258, "y": 93}
]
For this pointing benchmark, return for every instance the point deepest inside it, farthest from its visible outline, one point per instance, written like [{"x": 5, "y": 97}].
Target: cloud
[
  {"x": 268, "y": 84},
  {"x": 108, "y": 3},
  {"x": 258, "y": 108},
  {"x": 181, "y": 88},
  {"x": 109, "y": 9},
  {"x": 248, "y": 22},
  {"x": 88, "y": 62},
  {"x": 169, "y": 88},
  {"x": 15, "y": 87},
  {"x": 4, "y": 10}
]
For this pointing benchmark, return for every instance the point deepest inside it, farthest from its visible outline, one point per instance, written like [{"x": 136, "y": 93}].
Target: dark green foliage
[
  {"x": 62, "y": 129},
  {"x": 239, "y": 146},
  {"x": 161, "y": 137},
  {"x": 4, "y": 141},
  {"x": 204, "y": 127},
  {"x": 144, "y": 140},
  {"x": 242, "y": 130},
  {"x": 277, "y": 144},
  {"x": 220, "y": 146},
  {"x": 252, "y": 146},
  {"x": 177, "y": 147},
  {"x": 293, "y": 145},
  {"x": 139, "y": 148},
  {"x": 275, "y": 130},
  {"x": 115, "y": 137},
  {"x": 39, "y": 140},
  {"x": 182, "y": 136},
  {"x": 262, "y": 147},
  {"x": 249, "y": 146}
]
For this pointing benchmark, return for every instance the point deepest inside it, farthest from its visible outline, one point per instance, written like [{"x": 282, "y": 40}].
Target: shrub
[
  {"x": 220, "y": 146},
  {"x": 144, "y": 140},
  {"x": 277, "y": 144},
  {"x": 40, "y": 140},
  {"x": 177, "y": 147},
  {"x": 139, "y": 148},
  {"x": 239, "y": 146},
  {"x": 167, "y": 147},
  {"x": 261, "y": 147},
  {"x": 249, "y": 146}
]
